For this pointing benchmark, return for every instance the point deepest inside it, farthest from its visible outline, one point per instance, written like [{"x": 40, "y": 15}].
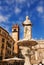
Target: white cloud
[
  {"x": 32, "y": 1},
  {"x": 43, "y": 16},
  {"x": 21, "y": 18},
  {"x": 0, "y": 2},
  {"x": 9, "y": 2},
  {"x": 28, "y": 4},
  {"x": 1, "y": 8},
  {"x": 7, "y": 28},
  {"x": 17, "y": 10},
  {"x": 40, "y": 9},
  {"x": 8, "y": 15},
  {"x": 4, "y": 8},
  {"x": 20, "y": 1},
  {"x": 4, "y": 18}
]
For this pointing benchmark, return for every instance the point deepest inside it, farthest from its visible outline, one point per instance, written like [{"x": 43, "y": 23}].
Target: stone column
[
  {"x": 26, "y": 55},
  {"x": 27, "y": 60}
]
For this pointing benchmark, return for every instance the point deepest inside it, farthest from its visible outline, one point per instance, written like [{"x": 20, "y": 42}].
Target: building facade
[
  {"x": 38, "y": 53},
  {"x": 9, "y": 48},
  {"x": 6, "y": 44}
]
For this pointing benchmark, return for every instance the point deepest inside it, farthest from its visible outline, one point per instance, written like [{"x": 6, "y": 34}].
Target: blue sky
[{"x": 15, "y": 11}]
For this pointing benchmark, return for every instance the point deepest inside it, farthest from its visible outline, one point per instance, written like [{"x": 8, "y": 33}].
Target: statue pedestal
[
  {"x": 27, "y": 61},
  {"x": 26, "y": 55}
]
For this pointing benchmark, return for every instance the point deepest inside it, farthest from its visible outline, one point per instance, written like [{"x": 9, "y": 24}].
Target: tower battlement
[
  {"x": 15, "y": 26},
  {"x": 15, "y": 32}
]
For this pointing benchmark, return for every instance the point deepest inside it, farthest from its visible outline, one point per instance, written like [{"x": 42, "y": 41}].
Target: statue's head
[{"x": 27, "y": 17}]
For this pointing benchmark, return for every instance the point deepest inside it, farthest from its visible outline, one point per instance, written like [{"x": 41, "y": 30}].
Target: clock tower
[{"x": 27, "y": 28}]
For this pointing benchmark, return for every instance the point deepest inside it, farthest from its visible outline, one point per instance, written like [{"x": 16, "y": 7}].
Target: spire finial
[{"x": 27, "y": 17}]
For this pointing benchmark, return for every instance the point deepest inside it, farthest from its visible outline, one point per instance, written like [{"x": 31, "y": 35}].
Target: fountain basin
[{"x": 26, "y": 42}]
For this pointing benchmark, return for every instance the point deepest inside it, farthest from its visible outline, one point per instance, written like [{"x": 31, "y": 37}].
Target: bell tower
[
  {"x": 15, "y": 36},
  {"x": 15, "y": 32},
  {"x": 27, "y": 28}
]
